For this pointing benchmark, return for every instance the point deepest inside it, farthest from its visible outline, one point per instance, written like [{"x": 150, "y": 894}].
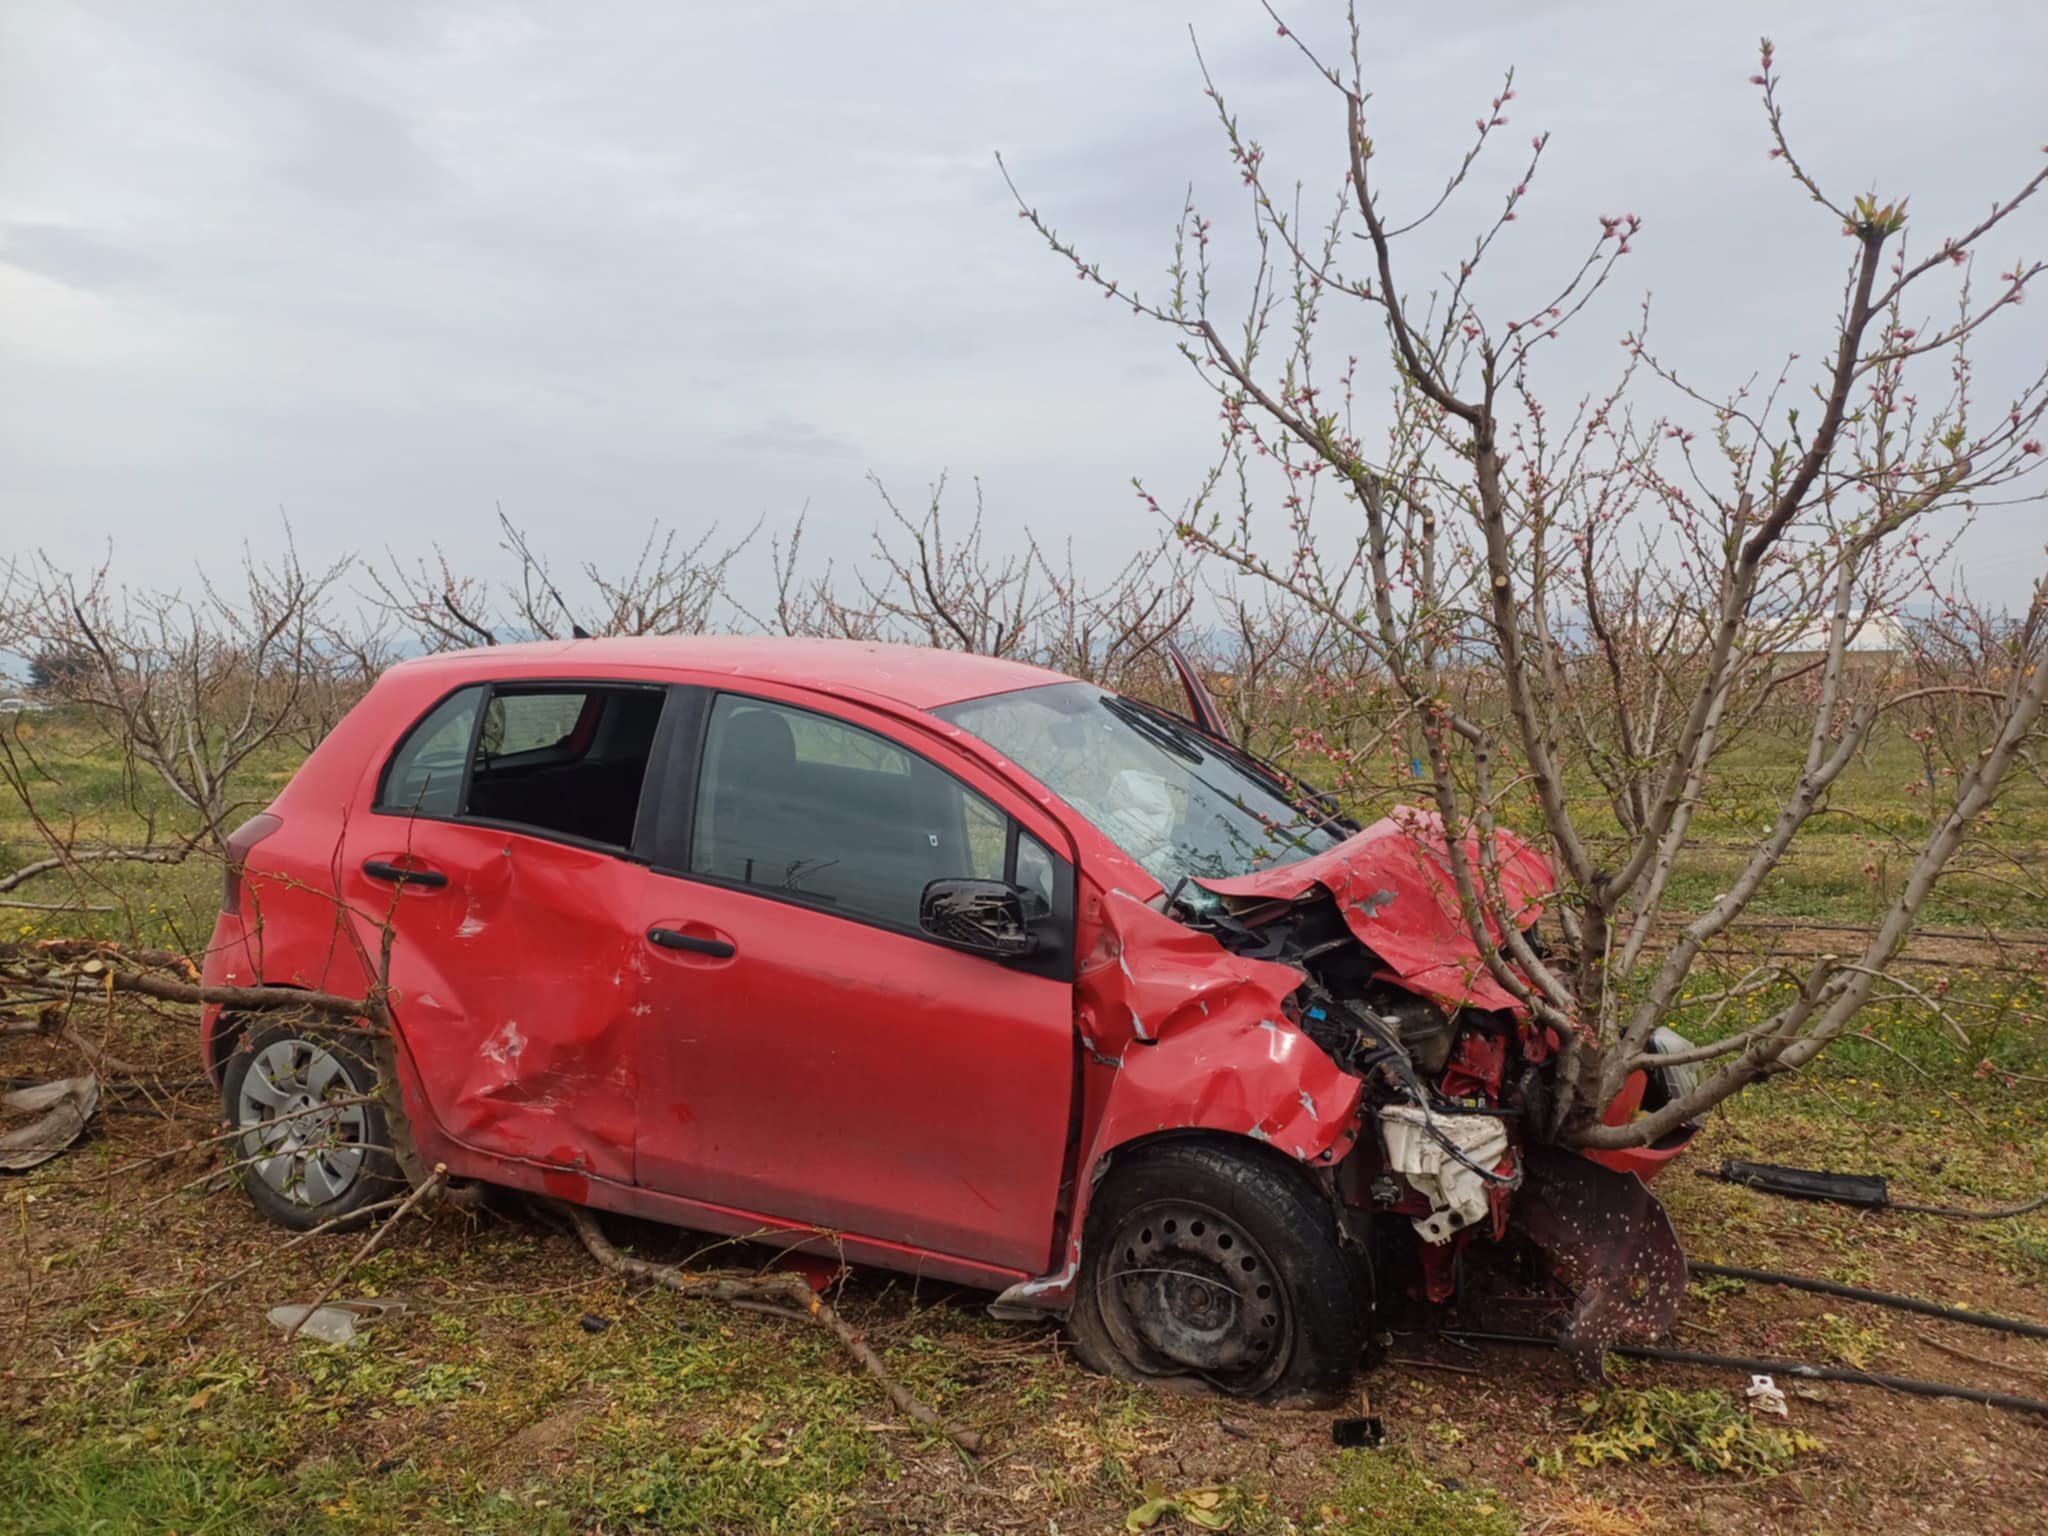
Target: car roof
[{"x": 912, "y": 675}]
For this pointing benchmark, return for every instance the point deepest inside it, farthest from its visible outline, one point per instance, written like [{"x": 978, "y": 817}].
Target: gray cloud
[
  {"x": 786, "y": 438},
  {"x": 72, "y": 257},
  {"x": 386, "y": 264}
]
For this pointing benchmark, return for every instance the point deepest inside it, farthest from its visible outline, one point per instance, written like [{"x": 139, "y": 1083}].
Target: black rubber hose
[
  {"x": 1876, "y": 1298},
  {"x": 1788, "y": 1368},
  {"x": 1966, "y": 1213}
]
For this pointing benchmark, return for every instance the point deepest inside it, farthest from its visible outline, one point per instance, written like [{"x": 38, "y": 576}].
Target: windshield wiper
[
  {"x": 1153, "y": 730},
  {"x": 1320, "y": 812}
]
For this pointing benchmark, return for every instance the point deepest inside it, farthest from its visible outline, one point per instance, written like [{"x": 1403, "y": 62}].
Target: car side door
[
  {"x": 499, "y": 847},
  {"x": 808, "y": 1053}
]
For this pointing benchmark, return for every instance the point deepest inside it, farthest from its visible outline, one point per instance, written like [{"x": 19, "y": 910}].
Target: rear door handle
[
  {"x": 668, "y": 938},
  {"x": 380, "y": 869}
]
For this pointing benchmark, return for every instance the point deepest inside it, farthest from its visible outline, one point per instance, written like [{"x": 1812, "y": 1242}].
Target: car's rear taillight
[{"x": 240, "y": 843}]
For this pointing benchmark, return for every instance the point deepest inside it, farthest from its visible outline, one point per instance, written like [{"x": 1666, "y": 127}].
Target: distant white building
[{"x": 1875, "y": 639}]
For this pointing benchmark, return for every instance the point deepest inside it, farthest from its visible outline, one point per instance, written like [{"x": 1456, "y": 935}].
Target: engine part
[
  {"x": 1425, "y": 1150},
  {"x": 1425, "y": 1030}
]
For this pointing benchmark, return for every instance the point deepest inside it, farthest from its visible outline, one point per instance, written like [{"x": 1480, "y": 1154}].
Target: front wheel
[
  {"x": 314, "y": 1148},
  {"x": 1213, "y": 1267}
]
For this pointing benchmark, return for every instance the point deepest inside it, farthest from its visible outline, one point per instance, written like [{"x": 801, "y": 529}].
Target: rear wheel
[
  {"x": 314, "y": 1147},
  {"x": 1211, "y": 1268}
]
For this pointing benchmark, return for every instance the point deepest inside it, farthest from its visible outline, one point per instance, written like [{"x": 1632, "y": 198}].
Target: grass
[
  {"x": 487, "y": 1407},
  {"x": 1703, "y": 1431},
  {"x": 1392, "y": 1494}
]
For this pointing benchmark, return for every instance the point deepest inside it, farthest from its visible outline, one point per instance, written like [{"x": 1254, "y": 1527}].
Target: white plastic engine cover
[{"x": 1456, "y": 1194}]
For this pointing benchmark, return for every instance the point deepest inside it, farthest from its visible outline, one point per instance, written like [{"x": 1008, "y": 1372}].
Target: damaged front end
[
  {"x": 1456, "y": 1080},
  {"x": 1331, "y": 1003}
]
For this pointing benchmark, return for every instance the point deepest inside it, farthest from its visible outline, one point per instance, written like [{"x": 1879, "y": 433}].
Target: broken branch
[{"x": 781, "y": 1292}]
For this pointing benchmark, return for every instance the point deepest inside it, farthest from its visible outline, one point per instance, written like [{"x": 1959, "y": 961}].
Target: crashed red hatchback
[{"x": 943, "y": 963}]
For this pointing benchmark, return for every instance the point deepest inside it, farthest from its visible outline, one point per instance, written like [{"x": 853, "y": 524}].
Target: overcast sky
[{"x": 383, "y": 265}]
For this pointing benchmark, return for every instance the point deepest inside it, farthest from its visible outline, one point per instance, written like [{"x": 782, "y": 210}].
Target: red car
[{"x": 943, "y": 963}]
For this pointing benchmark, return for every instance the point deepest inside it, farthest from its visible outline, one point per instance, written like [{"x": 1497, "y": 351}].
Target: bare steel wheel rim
[
  {"x": 1188, "y": 1291},
  {"x": 305, "y": 1138}
]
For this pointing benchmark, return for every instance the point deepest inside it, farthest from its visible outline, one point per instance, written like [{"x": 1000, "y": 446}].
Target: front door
[
  {"x": 498, "y": 851},
  {"x": 808, "y": 1055}
]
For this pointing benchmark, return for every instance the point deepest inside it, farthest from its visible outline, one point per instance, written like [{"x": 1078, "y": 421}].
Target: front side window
[
  {"x": 1170, "y": 797},
  {"x": 812, "y": 809}
]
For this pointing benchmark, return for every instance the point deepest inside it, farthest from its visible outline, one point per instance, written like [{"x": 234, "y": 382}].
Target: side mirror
[{"x": 983, "y": 916}]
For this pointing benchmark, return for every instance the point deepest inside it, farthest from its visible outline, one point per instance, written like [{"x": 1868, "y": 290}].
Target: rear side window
[
  {"x": 554, "y": 759},
  {"x": 518, "y": 723},
  {"x": 816, "y": 810},
  {"x": 570, "y": 761},
  {"x": 424, "y": 777}
]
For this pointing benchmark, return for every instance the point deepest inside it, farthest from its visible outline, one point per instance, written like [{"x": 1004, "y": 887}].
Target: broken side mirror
[{"x": 983, "y": 916}]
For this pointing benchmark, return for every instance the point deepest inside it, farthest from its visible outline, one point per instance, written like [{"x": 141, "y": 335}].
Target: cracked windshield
[{"x": 1161, "y": 791}]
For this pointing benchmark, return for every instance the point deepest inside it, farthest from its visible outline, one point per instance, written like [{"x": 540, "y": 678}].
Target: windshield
[{"x": 1174, "y": 800}]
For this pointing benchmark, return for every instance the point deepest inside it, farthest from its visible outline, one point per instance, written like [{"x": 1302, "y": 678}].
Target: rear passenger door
[
  {"x": 809, "y": 1054},
  {"x": 503, "y": 846}
]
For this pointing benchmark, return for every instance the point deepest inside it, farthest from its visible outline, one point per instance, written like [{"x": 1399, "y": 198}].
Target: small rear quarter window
[{"x": 424, "y": 776}]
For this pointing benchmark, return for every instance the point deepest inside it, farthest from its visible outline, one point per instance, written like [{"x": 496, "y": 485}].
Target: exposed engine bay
[{"x": 1453, "y": 1134}]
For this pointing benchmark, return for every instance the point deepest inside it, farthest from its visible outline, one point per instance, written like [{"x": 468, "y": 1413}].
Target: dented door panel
[{"x": 513, "y": 985}]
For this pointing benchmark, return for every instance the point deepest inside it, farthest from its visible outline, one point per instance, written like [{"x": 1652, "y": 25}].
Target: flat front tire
[
  {"x": 314, "y": 1147},
  {"x": 1210, "y": 1267}
]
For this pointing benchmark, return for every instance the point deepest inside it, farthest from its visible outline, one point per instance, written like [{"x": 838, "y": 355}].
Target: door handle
[
  {"x": 379, "y": 869},
  {"x": 668, "y": 938}
]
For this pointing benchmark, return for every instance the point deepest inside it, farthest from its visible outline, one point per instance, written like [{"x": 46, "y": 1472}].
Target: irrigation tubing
[
  {"x": 1964, "y": 1213},
  {"x": 1876, "y": 1298},
  {"x": 1789, "y": 1368}
]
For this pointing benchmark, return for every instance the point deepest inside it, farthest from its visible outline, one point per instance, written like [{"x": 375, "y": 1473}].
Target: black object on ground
[
  {"x": 1787, "y": 1368},
  {"x": 1369, "y": 1433},
  {"x": 1868, "y": 1191},
  {"x": 1890, "y": 1299},
  {"x": 1864, "y": 1189}
]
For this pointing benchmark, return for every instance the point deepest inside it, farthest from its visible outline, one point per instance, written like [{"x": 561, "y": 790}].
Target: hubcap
[
  {"x": 304, "y": 1143},
  {"x": 1189, "y": 1291}
]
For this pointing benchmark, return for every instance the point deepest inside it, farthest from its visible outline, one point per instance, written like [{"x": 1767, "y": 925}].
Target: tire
[
  {"x": 324, "y": 1165},
  {"x": 1210, "y": 1268}
]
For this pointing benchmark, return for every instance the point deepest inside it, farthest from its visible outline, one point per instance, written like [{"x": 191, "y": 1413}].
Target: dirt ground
[
  {"x": 523, "y": 1390},
  {"x": 1792, "y": 938}
]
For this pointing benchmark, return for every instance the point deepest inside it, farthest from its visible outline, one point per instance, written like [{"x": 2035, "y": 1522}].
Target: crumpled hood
[{"x": 1393, "y": 884}]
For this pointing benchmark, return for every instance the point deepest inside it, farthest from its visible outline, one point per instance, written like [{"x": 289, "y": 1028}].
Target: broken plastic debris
[
  {"x": 1765, "y": 1396},
  {"x": 62, "y": 1107},
  {"x": 332, "y": 1322}
]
